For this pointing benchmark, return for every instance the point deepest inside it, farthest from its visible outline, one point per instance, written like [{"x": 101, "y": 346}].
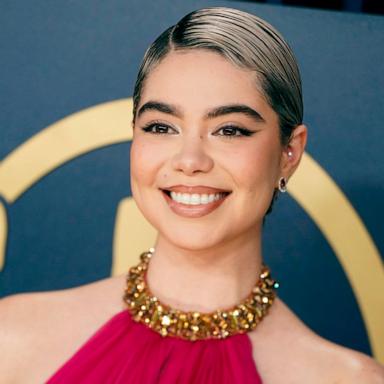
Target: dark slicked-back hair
[{"x": 248, "y": 42}]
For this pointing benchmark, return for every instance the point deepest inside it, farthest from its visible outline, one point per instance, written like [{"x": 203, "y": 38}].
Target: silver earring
[
  {"x": 289, "y": 154},
  {"x": 282, "y": 184}
]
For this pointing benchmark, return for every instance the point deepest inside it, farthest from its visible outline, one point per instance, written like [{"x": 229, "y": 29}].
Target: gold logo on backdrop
[{"x": 311, "y": 187}]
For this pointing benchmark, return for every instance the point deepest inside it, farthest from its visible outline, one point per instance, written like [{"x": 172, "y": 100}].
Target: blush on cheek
[
  {"x": 146, "y": 161},
  {"x": 139, "y": 155},
  {"x": 262, "y": 164}
]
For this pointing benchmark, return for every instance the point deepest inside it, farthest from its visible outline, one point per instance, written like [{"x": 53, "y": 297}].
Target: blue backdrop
[{"x": 58, "y": 58}]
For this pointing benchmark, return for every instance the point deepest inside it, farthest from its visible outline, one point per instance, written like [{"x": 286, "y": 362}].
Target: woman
[{"x": 217, "y": 134}]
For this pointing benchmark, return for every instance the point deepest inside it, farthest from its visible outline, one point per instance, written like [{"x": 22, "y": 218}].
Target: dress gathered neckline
[{"x": 126, "y": 351}]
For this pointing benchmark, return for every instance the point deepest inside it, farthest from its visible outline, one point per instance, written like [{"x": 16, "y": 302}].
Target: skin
[
  {"x": 218, "y": 270},
  {"x": 211, "y": 261}
]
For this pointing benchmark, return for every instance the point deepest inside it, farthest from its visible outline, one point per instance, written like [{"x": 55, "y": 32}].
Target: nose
[{"x": 192, "y": 158}]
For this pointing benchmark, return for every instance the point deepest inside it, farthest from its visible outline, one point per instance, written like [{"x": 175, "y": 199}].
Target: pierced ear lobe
[
  {"x": 294, "y": 150},
  {"x": 290, "y": 160},
  {"x": 289, "y": 156}
]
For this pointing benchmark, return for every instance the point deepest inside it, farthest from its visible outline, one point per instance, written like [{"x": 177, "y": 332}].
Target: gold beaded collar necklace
[{"x": 244, "y": 317}]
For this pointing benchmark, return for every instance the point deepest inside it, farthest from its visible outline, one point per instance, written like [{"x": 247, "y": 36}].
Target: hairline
[{"x": 172, "y": 48}]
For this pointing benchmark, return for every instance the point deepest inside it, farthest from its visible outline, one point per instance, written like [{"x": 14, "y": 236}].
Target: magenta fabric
[{"x": 124, "y": 351}]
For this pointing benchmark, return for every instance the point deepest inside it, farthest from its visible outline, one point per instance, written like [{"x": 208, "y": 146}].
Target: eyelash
[
  {"x": 243, "y": 131},
  {"x": 148, "y": 128}
]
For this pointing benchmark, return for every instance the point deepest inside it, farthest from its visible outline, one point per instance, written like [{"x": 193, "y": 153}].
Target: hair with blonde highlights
[{"x": 248, "y": 42}]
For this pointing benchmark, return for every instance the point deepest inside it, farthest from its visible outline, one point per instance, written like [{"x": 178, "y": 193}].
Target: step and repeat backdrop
[{"x": 66, "y": 213}]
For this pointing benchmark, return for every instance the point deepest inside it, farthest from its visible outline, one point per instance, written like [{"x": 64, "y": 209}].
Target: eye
[
  {"x": 159, "y": 129},
  {"x": 232, "y": 131}
]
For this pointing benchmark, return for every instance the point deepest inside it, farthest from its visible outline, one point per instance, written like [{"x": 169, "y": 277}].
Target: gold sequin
[{"x": 244, "y": 317}]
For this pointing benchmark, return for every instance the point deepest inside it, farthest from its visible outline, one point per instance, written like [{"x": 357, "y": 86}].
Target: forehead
[{"x": 200, "y": 79}]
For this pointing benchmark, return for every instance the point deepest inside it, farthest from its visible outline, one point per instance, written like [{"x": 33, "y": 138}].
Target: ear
[{"x": 293, "y": 151}]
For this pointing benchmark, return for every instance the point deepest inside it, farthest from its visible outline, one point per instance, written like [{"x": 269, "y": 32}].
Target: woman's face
[{"x": 203, "y": 132}]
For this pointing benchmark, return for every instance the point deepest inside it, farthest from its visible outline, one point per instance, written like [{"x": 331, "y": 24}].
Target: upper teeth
[{"x": 195, "y": 198}]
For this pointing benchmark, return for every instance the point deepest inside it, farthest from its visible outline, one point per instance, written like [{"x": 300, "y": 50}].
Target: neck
[{"x": 204, "y": 279}]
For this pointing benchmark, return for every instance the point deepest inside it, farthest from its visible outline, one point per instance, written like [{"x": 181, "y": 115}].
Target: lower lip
[{"x": 187, "y": 210}]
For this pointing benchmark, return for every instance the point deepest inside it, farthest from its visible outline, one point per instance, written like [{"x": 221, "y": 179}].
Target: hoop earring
[{"x": 282, "y": 184}]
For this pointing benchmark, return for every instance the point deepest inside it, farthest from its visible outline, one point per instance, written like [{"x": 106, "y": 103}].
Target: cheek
[
  {"x": 145, "y": 160},
  {"x": 255, "y": 166}
]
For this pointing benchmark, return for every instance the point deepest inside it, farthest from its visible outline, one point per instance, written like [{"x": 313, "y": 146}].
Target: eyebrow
[
  {"x": 235, "y": 108},
  {"x": 215, "y": 112},
  {"x": 159, "y": 106}
]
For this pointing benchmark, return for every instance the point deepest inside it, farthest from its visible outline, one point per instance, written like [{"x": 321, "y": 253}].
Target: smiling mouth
[
  {"x": 194, "y": 205},
  {"x": 195, "y": 198}
]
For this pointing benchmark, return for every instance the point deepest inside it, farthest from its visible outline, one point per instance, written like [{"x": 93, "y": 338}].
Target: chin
[
  {"x": 191, "y": 243},
  {"x": 193, "y": 238}
]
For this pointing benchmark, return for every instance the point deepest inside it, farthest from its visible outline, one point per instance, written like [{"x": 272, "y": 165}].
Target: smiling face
[{"x": 206, "y": 154}]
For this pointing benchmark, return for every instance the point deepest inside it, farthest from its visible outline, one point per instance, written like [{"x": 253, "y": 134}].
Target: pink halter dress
[{"x": 124, "y": 351}]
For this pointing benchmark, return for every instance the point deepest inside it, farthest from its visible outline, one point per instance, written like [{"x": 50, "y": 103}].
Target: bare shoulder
[
  {"x": 348, "y": 365},
  {"x": 50, "y": 325},
  {"x": 358, "y": 367},
  {"x": 290, "y": 350},
  {"x": 20, "y": 319}
]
